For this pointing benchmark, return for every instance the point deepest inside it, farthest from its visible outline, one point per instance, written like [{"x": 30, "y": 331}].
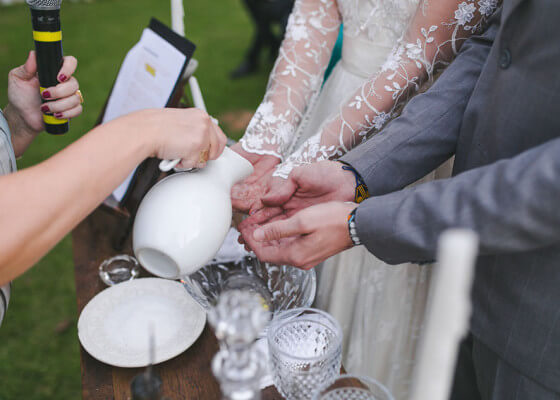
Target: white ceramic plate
[{"x": 114, "y": 326}]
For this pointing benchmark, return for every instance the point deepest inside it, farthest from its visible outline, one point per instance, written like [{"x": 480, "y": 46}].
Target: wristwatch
[{"x": 352, "y": 230}]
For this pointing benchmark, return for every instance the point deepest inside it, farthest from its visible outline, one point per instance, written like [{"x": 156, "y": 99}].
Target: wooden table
[{"x": 187, "y": 376}]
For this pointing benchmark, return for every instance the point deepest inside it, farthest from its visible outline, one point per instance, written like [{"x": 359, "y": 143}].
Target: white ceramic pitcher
[{"x": 183, "y": 220}]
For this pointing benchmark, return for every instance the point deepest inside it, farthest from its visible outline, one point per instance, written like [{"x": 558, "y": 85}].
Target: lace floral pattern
[
  {"x": 431, "y": 41},
  {"x": 361, "y": 16},
  {"x": 425, "y": 42},
  {"x": 296, "y": 77}
]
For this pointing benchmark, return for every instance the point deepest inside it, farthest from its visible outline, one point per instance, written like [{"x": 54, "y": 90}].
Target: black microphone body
[{"x": 48, "y": 46}]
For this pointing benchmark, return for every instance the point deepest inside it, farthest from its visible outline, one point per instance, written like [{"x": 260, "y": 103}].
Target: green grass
[{"x": 39, "y": 350}]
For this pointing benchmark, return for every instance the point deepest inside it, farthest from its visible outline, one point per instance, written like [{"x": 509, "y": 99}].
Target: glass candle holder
[
  {"x": 305, "y": 350},
  {"x": 353, "y": 387},
  {"x": 119, "y": 269}
]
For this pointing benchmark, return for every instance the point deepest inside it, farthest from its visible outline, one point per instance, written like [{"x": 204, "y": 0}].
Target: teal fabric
[{"x": 335, "y": 56}]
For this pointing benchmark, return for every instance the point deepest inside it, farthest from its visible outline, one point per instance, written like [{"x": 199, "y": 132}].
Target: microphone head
[{"x": 44, "y": 4}]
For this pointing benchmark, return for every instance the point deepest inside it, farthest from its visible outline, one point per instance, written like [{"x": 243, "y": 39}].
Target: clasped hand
[{"x": 303, "y": 220}]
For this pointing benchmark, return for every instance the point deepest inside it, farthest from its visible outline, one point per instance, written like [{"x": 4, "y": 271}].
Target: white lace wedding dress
[{"x": 390, "y": 48}]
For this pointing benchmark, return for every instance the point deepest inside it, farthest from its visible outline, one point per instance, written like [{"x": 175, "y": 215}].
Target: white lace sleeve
[
  {"x": 433, "y": 38},
  {"x": 296, "y": 77}
]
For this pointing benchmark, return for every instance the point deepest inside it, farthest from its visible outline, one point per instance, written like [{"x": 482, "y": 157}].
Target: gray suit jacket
[{"x": 497, "y": 108}]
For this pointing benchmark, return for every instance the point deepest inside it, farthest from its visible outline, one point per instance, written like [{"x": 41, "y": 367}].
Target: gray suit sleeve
[
  {"x": 425, "y": 135},
  {"x": 512, "y": 204}
]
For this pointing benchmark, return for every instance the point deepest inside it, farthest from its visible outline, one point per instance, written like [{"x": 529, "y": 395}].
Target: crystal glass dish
[{"x": 281, "y": 287}]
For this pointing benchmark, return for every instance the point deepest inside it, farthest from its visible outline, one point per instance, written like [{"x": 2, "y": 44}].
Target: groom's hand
[
  {"x": 311, "y": 184},
  {"x": 303, "y": 240},
  {"x": 307, "y": 185}
]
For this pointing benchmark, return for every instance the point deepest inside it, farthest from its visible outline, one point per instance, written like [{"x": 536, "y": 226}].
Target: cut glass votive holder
[{"x": 118, "y": 269}]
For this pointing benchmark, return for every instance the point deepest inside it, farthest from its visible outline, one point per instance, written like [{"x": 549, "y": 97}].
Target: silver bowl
[{"x": 282, "y": 287}]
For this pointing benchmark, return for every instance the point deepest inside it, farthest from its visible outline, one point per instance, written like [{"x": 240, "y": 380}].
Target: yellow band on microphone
[
  {"x": 44, "y": 36},
  {"x": 49, "y": 119}
]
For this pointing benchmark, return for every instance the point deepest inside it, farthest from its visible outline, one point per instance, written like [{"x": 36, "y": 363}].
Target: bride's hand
[
  {"x": 262, "y": 163},
  {"x": 247, "y": 197},
  {"x": 247, "y": 193}
]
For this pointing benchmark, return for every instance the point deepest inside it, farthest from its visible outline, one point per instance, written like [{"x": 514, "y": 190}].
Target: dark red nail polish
[
  {"x": 57, "y": 115},
  {"x": 46, "y": 94},
  {"x": 45, "y": 108},
  {"x": 62, "y": 77}
]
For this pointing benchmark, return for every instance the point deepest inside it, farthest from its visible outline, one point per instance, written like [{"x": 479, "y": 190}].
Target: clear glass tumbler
[
  {"x": 305, "y": 350},
  {"x": 352, "y": 387}
]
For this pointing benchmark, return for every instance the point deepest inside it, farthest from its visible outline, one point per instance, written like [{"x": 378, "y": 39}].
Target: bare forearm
[{"x": 41, "y": 204}]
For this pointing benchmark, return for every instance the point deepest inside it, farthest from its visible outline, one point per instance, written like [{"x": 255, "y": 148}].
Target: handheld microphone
[{"x": 45, "y": 18}]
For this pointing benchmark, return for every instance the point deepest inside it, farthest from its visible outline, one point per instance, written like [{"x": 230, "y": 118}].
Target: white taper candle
[
  {"x": 448, "y": 314},
  {"x": 177, "y": 17}
]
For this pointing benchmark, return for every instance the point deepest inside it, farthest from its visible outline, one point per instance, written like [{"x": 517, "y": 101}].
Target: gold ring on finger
[
  {"x": 203, "y": 157},
  {"x": 79, "y": 93}
]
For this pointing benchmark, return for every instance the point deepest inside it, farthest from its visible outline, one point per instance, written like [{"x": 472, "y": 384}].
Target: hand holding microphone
[
  {"x": 24, "y": 109},
  {"x": 45, "y": 18}
]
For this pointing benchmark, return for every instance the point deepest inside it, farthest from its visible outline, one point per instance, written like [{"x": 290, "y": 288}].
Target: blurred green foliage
[{"x": 39, "y": 349}]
